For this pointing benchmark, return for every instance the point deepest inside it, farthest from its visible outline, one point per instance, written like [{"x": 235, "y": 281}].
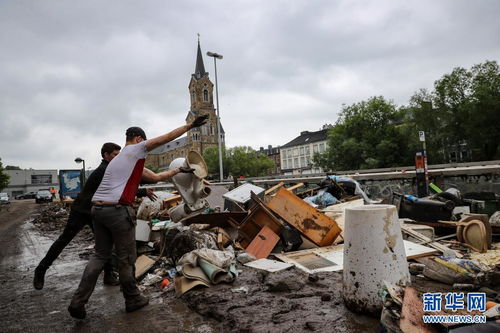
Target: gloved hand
[
  {"x": 200, "y": 120},
  {"x": 186, "y": 170}
]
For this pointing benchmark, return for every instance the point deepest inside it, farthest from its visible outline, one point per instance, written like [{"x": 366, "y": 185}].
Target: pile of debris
[
  {"x": 317, "y": 256},
  {"x": 51, "y": 217},
  {"x": 285, "y": 248}
]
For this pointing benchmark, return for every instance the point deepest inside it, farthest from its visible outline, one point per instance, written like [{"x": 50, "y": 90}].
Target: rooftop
[{"x": 307, "y": 137}]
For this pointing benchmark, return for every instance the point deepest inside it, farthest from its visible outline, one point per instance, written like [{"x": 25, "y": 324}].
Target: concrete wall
[{"x": 467, "y": 183}]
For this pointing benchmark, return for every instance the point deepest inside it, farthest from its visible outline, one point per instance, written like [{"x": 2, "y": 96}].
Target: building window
[
  {"x": 212, "y": 129},
  {"x": 41, "y": 179},
  {"x": 285, "y": 165},
  {"x": 302, "y": 162},
  {"x": 321, "y": 147},
  {"x": 295, "y": 152},
  {"x": 193, "y": 97},
  {"x": 296, "y": 162},
  {"x": 307, "y": 150},
  {"x": 301, "y": 150},
  {"x": 205, "y": 95},
  {"x": 315, "y": 148}
]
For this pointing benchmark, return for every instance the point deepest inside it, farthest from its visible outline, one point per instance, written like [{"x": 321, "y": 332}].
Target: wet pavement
[{"x": 22, "y": 308}]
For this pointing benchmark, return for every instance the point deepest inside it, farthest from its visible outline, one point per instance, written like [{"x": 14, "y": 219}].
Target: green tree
[
  {"x": 4, "y": 178},
  {"x": 245, "y": 161},
  {"x": 12, "y": 167},
  {"x": 238, "y": 161},
  {"x": 463, "y": 109},
  {"x": 367, "y": 134},
  {"x": 211, "y": 157},
  {"x": 483, "y": 130}
]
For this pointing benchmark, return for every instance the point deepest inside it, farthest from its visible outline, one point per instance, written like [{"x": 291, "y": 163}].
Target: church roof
[
  {"x": 199, "y": 70},
  {"x": 180, "y": 142}
]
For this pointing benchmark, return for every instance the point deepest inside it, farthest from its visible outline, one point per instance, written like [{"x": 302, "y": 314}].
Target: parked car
[
  {"x": 4, "y": 198},
  {"x": 43, "y": 196},
  {"x": 27, "y": 195}
]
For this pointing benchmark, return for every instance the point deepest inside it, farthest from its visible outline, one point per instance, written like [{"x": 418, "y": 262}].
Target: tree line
[{"x": 460, "y": 118}]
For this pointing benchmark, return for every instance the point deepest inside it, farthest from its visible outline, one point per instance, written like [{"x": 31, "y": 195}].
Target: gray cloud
[{"x": 75, "y": 75}]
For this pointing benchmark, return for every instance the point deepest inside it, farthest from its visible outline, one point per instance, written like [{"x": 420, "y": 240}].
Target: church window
[
  {"x": 211, "y": 129},
  {"x": 193, "y": 97},
  {"x": 205, "y": 95}
]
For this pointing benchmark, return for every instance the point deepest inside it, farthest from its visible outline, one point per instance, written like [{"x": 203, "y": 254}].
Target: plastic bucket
[{"x": 373, "y": 252}]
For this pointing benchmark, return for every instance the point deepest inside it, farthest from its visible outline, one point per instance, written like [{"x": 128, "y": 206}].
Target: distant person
[
  {"x": 79, "y": 217},
  {"x": 114, "y": 218},
  {"x": 53, "y": 192}
]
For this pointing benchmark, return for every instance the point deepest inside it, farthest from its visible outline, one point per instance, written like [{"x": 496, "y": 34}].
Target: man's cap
[{"x": 135, "y": 131}]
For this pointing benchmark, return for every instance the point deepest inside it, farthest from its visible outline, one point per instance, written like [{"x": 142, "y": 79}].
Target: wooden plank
[
  {"x": 296, "y": 186},
  {"x": 314, "y": 225},
  {"x": 412, "y": 313},
  {"x": 262, "y": 245},
  {"x": 407, "y": 229},
  {"x": 274, "y": 188},
  {"x": 142, "y": 265}
]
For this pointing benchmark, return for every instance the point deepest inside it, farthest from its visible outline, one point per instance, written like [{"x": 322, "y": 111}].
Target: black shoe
[
  {"x": 77, "y": 312},
  {"x": 111, "y": 279},
  {"x": 136, "y": 303},
  {"x": 39, "y": 278}
]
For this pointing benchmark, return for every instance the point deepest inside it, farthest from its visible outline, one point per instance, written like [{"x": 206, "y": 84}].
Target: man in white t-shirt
[{"x": 114, "y": 219}]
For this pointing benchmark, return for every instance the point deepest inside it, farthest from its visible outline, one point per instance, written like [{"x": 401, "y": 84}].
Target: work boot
[
  {"x": 111, "y": 278},
  {"x": 136, "y": 303},
  {"x": 39, "y": 278},
  {"x": 77, "y": 312}
]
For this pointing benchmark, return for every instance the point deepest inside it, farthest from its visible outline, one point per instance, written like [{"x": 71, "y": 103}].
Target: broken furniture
[
  {"x": 314, "y": 225},
  {"x": 422, "y": 209},
  {"x": 258, "y": 217},
  {"x": 262, "y": 245},
  {"x": 331, "y": 258},
  {"x": 239, "y": 199}
]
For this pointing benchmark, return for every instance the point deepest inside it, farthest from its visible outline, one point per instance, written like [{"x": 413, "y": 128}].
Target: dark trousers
[
  {"x": 112, "y": 225},
  {"x": 76, "y": 222}
]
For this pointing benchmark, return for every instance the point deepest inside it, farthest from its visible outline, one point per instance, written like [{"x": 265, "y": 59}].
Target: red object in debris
[
  {"x": 262, "y": 245},
  {"x": 164, "y": 283}
]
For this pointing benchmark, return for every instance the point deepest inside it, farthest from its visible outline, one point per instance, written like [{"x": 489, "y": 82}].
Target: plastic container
[{"x": 373, "y": 252}]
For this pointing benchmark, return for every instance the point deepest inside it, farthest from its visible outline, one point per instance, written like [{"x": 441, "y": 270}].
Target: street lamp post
[
  {"x": 80, "y": 160},
  {"x": 219, "y": 140}
]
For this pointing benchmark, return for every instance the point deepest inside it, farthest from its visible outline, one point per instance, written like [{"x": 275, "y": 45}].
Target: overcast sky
[{"x": 75, "y": 74}]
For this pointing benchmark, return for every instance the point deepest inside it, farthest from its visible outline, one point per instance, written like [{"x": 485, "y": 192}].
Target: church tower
[{"x": 202, "y": 102}]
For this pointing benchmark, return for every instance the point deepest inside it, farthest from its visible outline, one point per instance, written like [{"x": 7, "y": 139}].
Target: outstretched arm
[
  {"x": 151, "y": 177},
  {"x": 172, "y": 135}
]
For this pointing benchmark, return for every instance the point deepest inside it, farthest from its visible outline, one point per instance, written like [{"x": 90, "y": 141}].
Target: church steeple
[{"x": 199, "y": 71}]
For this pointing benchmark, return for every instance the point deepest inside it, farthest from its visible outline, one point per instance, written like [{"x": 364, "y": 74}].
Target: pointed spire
[{"x": 199, "y": 71}]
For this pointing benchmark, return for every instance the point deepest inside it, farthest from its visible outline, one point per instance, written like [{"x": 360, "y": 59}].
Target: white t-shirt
[{"x": 123, "y": 175}]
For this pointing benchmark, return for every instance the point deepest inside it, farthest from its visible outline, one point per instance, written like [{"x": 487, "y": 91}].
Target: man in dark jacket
[{"x": 79, "y": 216}]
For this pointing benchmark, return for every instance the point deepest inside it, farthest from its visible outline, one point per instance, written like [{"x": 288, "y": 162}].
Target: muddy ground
[{"x": 289, "y": 301}]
